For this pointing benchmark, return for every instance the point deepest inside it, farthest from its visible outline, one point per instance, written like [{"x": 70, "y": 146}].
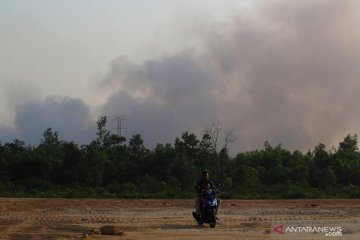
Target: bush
[{"x": 36, "y": 184}]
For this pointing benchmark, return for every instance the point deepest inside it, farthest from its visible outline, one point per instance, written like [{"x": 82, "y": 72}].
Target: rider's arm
[
  {"x": 212, "y": 186},
  {"x": 198, "y": 188}
]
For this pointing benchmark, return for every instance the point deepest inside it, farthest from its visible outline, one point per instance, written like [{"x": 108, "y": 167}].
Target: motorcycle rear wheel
[{"x": 213, "y": 222}]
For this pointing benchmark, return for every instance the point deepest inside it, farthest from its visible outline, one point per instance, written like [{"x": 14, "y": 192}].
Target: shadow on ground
[{"x": 181, "y": 226}]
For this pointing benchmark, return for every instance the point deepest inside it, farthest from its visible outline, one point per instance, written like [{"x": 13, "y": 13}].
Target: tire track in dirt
[
  {"x": 12, "y": 228},
  {"x": 155, "y": 219}
]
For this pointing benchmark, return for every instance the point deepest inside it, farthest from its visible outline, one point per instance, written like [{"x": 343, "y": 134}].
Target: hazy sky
[{"x": 276, "y": 70}]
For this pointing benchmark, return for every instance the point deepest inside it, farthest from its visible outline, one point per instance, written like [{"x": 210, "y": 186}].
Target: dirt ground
[{"x": 171, "y": 219}]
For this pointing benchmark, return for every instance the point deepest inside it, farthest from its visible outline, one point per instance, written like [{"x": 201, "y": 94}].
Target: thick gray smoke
[
  {"x": 288, "y": 74},
  {"x": 69, "y": 117},
  {"x": 161, "y": 98},
  {"x": 295, "y": 72}
]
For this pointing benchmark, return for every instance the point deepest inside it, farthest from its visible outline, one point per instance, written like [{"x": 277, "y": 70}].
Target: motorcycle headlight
[{"x": 213, "y": 203}]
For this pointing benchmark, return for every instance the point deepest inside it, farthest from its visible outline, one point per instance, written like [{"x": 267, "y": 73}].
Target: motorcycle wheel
[
  {"x": 212, "y": 222},
  {"x": 198, "y": 219}
]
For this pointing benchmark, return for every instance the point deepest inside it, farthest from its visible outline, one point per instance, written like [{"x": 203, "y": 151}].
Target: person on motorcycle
[
  {"x": 204, "y": 184},
  {"x": 207, "y": 192}
]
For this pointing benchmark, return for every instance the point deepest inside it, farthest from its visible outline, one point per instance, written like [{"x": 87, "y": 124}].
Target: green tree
[
  {"x": 347, "y": 161},
  {"x": 71, "y": 165},
  {"x": 321, "y": 156},
  {"x": 51, "y": 154},
  {"x": 349, "y": 143},
  {"x": 246, "y": 176},
  {"x": 102, "y": 134},
  {"x": 188, "y": 144},
  {"x": 137, "y": 149},
  {"x": 92, "y": 166},
  {"x": 158, "y": 163}
]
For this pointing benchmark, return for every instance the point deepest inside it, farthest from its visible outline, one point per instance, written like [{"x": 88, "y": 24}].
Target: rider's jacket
[{"x": 200, "y": 185}]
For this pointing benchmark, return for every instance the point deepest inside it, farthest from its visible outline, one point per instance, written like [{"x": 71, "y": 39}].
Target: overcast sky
[{"x": 276, "y": 70}]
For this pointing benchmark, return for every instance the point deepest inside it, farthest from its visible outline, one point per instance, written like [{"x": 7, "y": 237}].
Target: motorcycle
[{"x": 208, "y": 206}]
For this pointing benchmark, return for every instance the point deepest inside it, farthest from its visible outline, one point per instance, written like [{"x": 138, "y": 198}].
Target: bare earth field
[{"x": 171, "y": 219}]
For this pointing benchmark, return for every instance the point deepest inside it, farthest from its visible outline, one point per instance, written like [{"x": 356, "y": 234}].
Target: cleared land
[{"x": 171, "y": 219}]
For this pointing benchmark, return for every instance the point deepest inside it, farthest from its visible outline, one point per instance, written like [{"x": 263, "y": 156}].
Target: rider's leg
[{"x": 197, "y": 205}]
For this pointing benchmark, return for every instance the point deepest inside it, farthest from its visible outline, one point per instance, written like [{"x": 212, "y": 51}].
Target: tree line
[{"x": 112, "y": 166}]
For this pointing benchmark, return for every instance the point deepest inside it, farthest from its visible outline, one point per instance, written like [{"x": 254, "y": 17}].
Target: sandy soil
[{"x": 171, "y": 219}]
